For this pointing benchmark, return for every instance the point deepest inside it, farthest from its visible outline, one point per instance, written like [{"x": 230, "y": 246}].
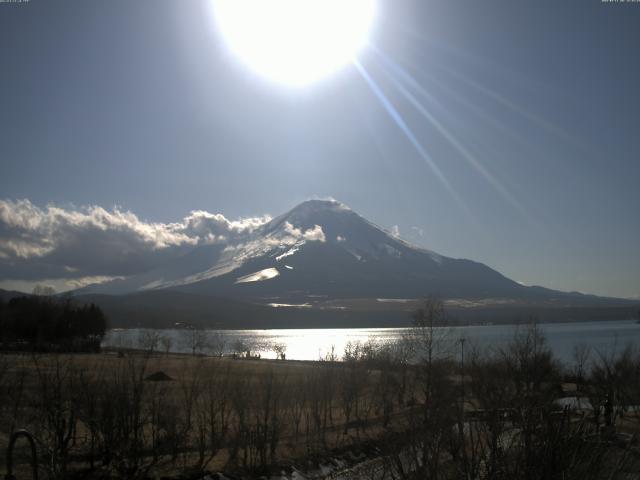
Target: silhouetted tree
[
  {"x": 43, "y": 290},
  {"x": 45, "y": 323}
]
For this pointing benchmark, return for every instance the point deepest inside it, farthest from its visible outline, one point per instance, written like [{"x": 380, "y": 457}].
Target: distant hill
[
  {"x": 6, "y": 295},
  {"x": 171, "y": 309},
  {"x": 174, "y": 309}
]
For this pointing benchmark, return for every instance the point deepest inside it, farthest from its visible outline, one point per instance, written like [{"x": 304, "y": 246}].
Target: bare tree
[
  {"x": 432, "y": 346},
  {"x": 189, "y": 392},
  {"x": 534, "y": 377},
  {"x": 216, "y": 409},
  {"x": 43, "y": 290},
  {"x": 491, "y": 387},
  {"x": 148, "y": 340},
  {"x": 280, "y": 350},
  {"x": 297, "y": 404},
  {"x": 581, "y": 354},
  {"x": 195, "y": 339},
  {"x": 614, "y": 378},
  {"x": 217, "y": 344},
  {"x": 57, "y": 381},
  {"x": 167, "y": 342}
]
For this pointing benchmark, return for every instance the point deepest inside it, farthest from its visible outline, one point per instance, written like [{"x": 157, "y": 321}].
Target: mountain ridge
[{"x": 323, "y": 248}]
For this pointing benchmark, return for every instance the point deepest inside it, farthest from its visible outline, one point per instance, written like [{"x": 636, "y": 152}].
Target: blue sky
[{"x": 528, "y": 109}]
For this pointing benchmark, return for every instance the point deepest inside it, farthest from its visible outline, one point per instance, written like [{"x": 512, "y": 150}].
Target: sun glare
[{"x": 295, "y": 42}]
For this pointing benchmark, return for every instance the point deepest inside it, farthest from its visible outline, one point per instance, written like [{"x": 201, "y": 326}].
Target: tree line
[{"x": 48, "y": 323}]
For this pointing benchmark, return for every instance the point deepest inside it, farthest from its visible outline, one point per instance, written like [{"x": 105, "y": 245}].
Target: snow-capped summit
[{"x": 345, "y": 228}]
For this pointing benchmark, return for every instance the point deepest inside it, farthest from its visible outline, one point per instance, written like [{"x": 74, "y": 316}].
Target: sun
[{"x": 295, "y": 42}]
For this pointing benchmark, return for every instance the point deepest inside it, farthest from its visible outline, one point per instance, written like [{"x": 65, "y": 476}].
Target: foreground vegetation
[{"x": 427, "y": 407}]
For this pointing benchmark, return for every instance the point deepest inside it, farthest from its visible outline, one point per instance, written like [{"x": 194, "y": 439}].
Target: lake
[{"x": 313, "y": 344}]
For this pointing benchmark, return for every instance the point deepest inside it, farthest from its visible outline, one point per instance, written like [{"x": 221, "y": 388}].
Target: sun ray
[
  {"x": 402, "y": 125},
  {"x": 452, "y": 93},
  {"x": 449, "y": 136},
  {"x": 514, "y": 107},
  {"x": 477, "y": 110}
]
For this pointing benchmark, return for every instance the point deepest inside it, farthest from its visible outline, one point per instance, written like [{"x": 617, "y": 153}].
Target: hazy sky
[{"x": 529, "y": 109}]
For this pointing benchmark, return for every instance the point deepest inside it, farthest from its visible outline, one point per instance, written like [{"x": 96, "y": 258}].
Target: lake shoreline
[
  {"x": 405, "y": 326},
  {"x": 319, "y": 344}
]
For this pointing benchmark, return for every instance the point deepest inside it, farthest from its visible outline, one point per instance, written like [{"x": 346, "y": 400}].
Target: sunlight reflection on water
[{"x": 313, "y": 344}]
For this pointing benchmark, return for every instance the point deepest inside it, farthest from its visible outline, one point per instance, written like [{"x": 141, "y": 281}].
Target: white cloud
[
  {"x": 58, "y": 284},
  {"x": 84, "y": 281},
  {"x": 212, "y": 227},
  {"x": 418, "y": 231},
  {"x": 28, "y": 231},
  {"x": 395, "y": 231},
  {"x": 74, "y": 247},
  {"x": 94, "y": 243},
  {"x": 314, "y": 234}
]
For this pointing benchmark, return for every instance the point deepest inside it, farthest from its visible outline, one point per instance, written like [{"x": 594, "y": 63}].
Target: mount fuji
[
  {"x": 320, "y": 248},
  {"x": 321, "y": 257}
]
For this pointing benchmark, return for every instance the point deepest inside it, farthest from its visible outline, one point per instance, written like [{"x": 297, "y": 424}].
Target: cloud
[
  {"x": 74, "y": 247},
  {"x": 27, "y": 231},
  {"x": 92, "y": 244},
  {"x": 418, "y": 231},
  {"x": 314, "y": 234},
  {"x": 284, "y": 238},
  {"x": 58, "y": 284},
  {"x": 214, "y": 227},
  {"x": 395, "y": 231}
]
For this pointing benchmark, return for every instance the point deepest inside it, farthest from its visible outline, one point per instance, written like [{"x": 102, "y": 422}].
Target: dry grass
[
  {"x": 246, "y": 379},
  {"x": 248, "y": 414}
]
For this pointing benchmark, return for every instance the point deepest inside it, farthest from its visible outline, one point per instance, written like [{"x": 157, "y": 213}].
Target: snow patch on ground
[
  {"x": 266, "y": 274},
  {"x": 153, "y": 285},
  {"x": 288, "y": 253},
  {"x": 289, "y": 305},
  {"x": 358, "y": 257}
]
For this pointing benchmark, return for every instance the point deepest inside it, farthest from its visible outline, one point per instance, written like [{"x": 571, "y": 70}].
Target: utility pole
[
  {"x": 461, "y": 427},
  {"x": 462, "y": 340}
]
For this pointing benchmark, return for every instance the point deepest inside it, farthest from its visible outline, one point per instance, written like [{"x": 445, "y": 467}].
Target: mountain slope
[{"x": 322, "y": 249}]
